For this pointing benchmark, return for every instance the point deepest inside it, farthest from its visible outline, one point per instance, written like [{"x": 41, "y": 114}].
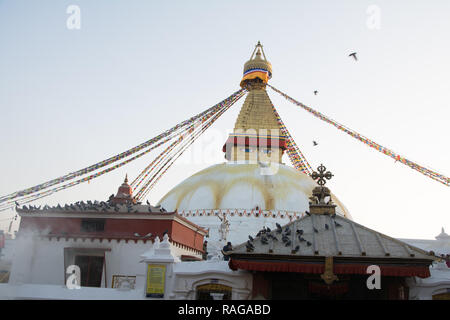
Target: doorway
[{"x": 91, "y": 268}]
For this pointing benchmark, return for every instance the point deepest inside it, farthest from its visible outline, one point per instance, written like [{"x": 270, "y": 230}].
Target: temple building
[{"x": 292, "y": 238}]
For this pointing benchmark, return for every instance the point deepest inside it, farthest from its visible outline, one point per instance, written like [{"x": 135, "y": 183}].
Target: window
[{"x": 92, "y": 225}]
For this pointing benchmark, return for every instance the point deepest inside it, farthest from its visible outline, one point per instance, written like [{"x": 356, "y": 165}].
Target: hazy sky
[{"x": 71, "y": 98}]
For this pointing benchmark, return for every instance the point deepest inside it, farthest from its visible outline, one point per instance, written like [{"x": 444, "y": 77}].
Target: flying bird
[
  {"x": 307, "y": 212},
  {"x": 315, "y": 143},
  {"x": 148, "y": 202},
  {"x": 315, "y": 92},
  {"x": 353, "y": 55}
]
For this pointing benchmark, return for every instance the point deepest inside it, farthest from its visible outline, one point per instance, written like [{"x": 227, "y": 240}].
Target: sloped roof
[{"x": 336, "y": 236}]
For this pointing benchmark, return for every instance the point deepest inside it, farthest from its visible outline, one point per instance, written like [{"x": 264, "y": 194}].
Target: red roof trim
[
  {"x": 255, "y": 142},
  {"x": 303, "y": 267}
]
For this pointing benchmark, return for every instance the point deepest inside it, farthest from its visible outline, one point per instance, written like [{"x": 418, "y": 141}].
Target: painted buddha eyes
[{"x": 249, "y": 150}]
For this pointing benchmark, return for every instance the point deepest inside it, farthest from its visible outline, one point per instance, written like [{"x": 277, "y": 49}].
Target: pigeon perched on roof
[
  {"x": 326, "y": 226},
  {"x": 299, "y": 231},
  {"x": 307, "y": 212},
  {"x": 315, "y": 230},
  {"x": 337, "y": 224},
  {"x": 308, "y": 243},
  {"x": 296, "y": 249},
  {"x": 251, "y": 238}
]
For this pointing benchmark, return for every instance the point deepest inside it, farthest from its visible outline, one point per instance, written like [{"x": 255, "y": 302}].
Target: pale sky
[{"x": 71, "y": 98}]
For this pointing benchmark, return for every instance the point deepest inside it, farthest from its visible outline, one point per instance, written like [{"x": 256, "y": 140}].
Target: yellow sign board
[{"x": 156, "y": 275}]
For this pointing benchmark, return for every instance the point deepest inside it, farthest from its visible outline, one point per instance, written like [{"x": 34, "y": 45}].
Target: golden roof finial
[
  {"x": 257, "y": 67},
  {"x": 126, "y": 178}
]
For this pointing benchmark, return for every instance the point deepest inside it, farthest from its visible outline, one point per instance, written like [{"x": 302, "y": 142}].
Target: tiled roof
[{"x": 325, "y": 235}]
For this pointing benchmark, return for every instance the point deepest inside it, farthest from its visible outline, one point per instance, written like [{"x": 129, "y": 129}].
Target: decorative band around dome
[{"x": 259, "y": 73}]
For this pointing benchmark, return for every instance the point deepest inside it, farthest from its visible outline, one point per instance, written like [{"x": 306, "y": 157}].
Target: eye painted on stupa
[{"x": 266, "y": 151}]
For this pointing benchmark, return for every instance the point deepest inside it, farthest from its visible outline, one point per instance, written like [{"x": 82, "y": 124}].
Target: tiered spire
[{"x": 256, "y": 134}]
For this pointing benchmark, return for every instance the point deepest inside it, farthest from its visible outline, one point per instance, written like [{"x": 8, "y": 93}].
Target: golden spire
[
  {"x": 257, "y": 69},
  {"x": 257, "y": 135}
]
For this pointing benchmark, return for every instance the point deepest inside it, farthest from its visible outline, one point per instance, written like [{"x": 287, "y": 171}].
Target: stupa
[{"x": 253, "y": 189}]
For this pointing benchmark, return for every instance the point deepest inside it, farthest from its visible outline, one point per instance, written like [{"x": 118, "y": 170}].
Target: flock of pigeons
[
  {"x": 102, "y": 206},
  {"x": 265, "y": 235},
  {"x": 353, "y": 54}
]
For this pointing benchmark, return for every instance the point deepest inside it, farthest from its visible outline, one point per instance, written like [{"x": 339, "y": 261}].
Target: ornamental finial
[
  {"x": 321, "y": 202},
  {"x": 322, "y": 175}
]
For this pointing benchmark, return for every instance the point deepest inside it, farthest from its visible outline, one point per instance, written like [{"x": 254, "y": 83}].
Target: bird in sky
[
  {"x": 353, "y": 55},
  {"x": 315, "y": 143},
  {"x": 315, "y": 92},
  {"x": 148, "y": 202}
]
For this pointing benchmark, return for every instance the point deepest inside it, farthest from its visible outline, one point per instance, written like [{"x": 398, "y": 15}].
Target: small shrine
[{"x": 327, "y": 256}]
